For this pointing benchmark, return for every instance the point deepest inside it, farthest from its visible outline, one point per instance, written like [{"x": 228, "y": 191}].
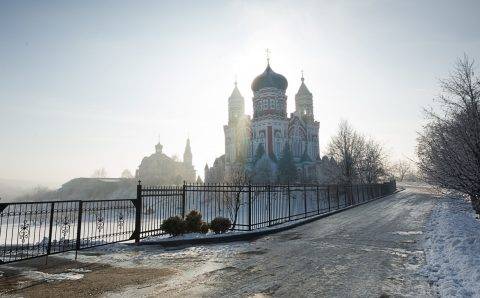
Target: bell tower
[
  {"x": 304, "y": 101},
  {"x": 236, "y": 105}
]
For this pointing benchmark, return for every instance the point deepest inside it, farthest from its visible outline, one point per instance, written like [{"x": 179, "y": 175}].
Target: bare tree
[
  {"x": 237, "y": 184},
  {"x": 347, "y": 148},
  {"x": 449, "y": 145},
  {"x": 99, "y": 173},
  {"x": 373, "y": 166},
  {"x": 401, "y": 169},
  {"x": 126, "y": 174}
]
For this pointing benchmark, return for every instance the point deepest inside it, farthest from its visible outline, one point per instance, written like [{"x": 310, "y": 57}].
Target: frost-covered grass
[{"x": 452, "y": 248}]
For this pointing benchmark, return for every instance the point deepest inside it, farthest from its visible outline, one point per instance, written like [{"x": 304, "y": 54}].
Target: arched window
[
  {"x": 298, "y": 142},
  {"x": 261, "y": 137},
  {"x": 298, "y": 139},
  {"x": 278, "y": 143}
]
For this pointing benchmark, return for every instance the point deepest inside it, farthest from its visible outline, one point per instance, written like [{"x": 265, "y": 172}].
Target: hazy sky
[{"x": 94, "y": 84}]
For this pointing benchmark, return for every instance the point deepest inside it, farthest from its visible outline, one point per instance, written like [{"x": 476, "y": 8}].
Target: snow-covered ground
[{"x": 452, "y": 248}]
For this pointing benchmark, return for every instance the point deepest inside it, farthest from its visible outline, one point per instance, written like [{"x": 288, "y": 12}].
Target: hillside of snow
[{"x": 452, "y": 248}]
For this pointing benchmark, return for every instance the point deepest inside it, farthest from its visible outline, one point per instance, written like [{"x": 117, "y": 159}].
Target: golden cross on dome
[{"x": 267, "y": 53}]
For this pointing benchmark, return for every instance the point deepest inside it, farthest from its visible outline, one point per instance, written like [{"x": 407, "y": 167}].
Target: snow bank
[
  {"x": 48, "y": 277},
  {"x": 452, "y": 248}
]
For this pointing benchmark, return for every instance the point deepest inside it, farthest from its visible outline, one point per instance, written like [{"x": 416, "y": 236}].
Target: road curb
[{"x": 253, "y": 234}]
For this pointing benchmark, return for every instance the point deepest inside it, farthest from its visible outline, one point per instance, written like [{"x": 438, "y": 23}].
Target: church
[
  {"x": 160, "y": 169},
  {"x": 259, "y": 142}
]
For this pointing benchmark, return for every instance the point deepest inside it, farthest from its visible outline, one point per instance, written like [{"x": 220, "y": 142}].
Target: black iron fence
[{"x": 35, "y": 229}]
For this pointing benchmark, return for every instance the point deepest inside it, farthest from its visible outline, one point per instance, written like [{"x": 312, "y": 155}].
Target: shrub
[
  {"x": 193, "y": 220},
  {"x": 220, "y": 225},
  {"x": 174, "y": 226},
  {"x": 204, "y": 228}
]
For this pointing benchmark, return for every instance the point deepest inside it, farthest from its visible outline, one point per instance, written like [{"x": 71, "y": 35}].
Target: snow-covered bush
[
  {"x": 174, "y": 226},
  {"x": 193, "y": 220},
  {"x": 220, "y": 225}
]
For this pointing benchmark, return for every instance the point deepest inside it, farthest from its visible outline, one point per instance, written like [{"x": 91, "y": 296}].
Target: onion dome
[{"x": 269, "y": 79}]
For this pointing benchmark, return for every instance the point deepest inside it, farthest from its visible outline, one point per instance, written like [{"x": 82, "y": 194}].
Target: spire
[
  {"x": 303, "y": 90},
  {"x": 158, "y": 148},
  {"x": 267, "y": 53},
  {"x": 187, "y": 155},
  {"x": 236, "y": 104},
  {"x": 236, "y": 93}
]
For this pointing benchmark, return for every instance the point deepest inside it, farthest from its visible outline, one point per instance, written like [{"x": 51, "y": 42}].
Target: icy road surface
[{"x": 366, "y": 251}]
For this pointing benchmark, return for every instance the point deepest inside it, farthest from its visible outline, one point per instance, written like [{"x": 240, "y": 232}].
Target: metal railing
[{"x": 34, "y": 229}]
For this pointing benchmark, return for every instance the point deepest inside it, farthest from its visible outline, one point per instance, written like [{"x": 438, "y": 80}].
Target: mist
[{"x": 101, "y": 89}]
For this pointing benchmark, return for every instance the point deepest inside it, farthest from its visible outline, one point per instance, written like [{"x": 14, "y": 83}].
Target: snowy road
[
  {"x": 366, "y": 251},
  {"x": 370, "y": 250}
]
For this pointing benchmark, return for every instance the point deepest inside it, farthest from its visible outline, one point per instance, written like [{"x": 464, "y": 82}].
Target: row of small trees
[
  {"x": 359, "y": 159},
  {"x": 449, "y": 145}
]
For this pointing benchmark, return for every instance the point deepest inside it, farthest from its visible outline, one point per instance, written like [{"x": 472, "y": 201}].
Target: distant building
[
  {"x": 216, "y": 173},
  {"x": 261, "y": 140},
  {"x": 159, "y": 169}
]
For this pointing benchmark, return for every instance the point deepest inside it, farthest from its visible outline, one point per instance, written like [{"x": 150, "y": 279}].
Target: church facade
[
  {"x": 258, "y": 143},
  {"x": 160, "y": 169}
]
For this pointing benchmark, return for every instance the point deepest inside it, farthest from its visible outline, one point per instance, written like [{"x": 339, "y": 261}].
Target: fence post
[
  {"x": 305, "y": 200},
  {"x": 138, "y": 213},
  {"x": 318, "y": 200},
  {"x": 249, "y": 207},
  {"x": 49, "y": 245},
  {"x": 184, "y": 193},
  {"x": 289, "y": 207},
  {"x": 338, "y": 199},
  {"x": 348, "y": 195},
  {"x": 358, "y": 194},
  {"x": 79, "y": 227},
  {"x": 352, "y": 196},
  {"x": 328, "y": 196},
  {"x": 269, "y": 206},
  {"x": 351, "y": 201}
]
